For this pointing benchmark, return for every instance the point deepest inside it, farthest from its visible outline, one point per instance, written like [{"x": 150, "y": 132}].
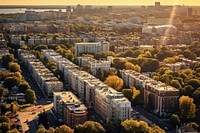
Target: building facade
[
  {"x": 43, "y": 76},
  {"x": 91, "y": 47},
  {"x": 159, "y": 97},
  {"x": 106, "y": 101},
  {"x": 69, "y": 108},
  {"x": 95, "y": 65}
]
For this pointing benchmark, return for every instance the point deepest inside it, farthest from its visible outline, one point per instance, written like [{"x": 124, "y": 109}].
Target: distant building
[
  {"x": 68, "y": 9},
  {"x": 190, "y": 12},
  {"x": 91, "y": 47},
  {"x": 159, "y": 30},
  {"x": 156, "y": 21},
  {"x": 175, "y": 67},
  {"x": 79, "y": 8},
  {"x": 15, "y": 40},
  {"x": 157, "y": 4},
  {"x": 69, "y": 108},
  {"x": 109, "y": 8}
]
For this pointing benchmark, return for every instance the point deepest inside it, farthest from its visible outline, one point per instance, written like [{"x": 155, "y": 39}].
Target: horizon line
[{"x": 100, "y": 5}]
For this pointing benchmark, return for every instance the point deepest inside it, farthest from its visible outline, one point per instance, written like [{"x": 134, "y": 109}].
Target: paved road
[
  {"x": 38, "y": 91},
  {"x": 152, "y": 118}
]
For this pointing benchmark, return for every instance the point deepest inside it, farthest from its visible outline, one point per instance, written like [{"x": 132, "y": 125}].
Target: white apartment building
[
  {"x": 15, "y": 40},
  {"x": 3, "y": 52},
  {"x": 95, "y": 65},
  {"x": 158, "y": 96},
  {"x": 91, "y": 47},
  {"x": 107, "y": 102},
  {"x": 43, "y": 76}
]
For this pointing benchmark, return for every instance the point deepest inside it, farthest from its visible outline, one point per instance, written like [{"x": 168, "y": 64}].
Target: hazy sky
[{"x": 96, "y": 2}]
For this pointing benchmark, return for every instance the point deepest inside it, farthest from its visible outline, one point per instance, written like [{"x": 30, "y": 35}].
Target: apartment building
[
  {"x": 43, "y": 76},
  {"x": 3, "y": 52},
  {"x": 95, "y": 65},
  {"x": 158, "y": 96},
  {"x": 91, "y": 47},
  {"x": 69, "y": 108},
  {"x": 15, "y": 39},
  {"x": 111, "y": 104},
  {"x": 106, "y": 101},
  {"x": 178, "y": 66}
]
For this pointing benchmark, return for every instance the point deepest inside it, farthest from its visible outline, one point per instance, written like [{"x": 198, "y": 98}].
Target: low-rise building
[
  {"x": 69, "y": 108},
  {"x": 178, "y": 66}
]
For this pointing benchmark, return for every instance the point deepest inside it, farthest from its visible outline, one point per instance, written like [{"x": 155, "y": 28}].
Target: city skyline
[{"x": 103, "y": 2}]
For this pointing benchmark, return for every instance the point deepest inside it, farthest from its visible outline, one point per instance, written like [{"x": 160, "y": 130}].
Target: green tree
[
  {"x": 156, "y": 129},
  {"x": 30, "y": 96},
  {"x": 112, "y": 71},
  {"x": 187, "y": 107},
  {"x": 89, "y": 127},
  {"x": 188, "y": 54},
  {"x": 87, "y": 68},
  {"x": 13, "y": 131},
  {"x": 63, "y": 129},
  {"x": 128, "y": 93},
  {"x": 174, "y": 120},
  {"x": 189, "y": 90},
  {"x": 4, "y": 119},
  {"x": 176, "y": 84},
  {"x": 195, "y": 83},
  {"x": 6, "y": 59},
  {"x": 129, "y": 66},
  {"x": 100, "y": 74},
  {"x": 51, "y": 130},
  {"x": 114, "y": 82},
  {"x": 161, "y": 55},
  {"x": 196, "y": 96},
  {"x": 133, "y": 126},
  {"x": 14, "y": 107},
  {"x": 2, "y": 92},
  {"x": 40, "y": 47},
  {"x": 14, "y": 67},
  {"x": 4, "y": 127},
  {"x": 11, "y": 81},
  {"x": 104, "y": 55},
  {"x": 23, "y": 86},
  {"x": 41, "y": 130}
]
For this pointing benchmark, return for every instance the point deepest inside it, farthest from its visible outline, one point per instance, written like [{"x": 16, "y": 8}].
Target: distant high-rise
[
  {"x": 190, "y": 11},
  {"x": 157, "y": 4},
  {"x": 109, "y": 8},
  {"x": 79, "y": 8},
  {"x": 68, "y": 9}
]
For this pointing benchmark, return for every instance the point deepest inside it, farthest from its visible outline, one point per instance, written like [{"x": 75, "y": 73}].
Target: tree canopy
[
  {"x": 30, "y": 96},
  {"x": 6, "y": 59},
  {"x": 63, "y": 129},
  {"x": 114, "y": 82},
  {"x": 187, "y": 107},
  {"x": 89, "y": 127}
]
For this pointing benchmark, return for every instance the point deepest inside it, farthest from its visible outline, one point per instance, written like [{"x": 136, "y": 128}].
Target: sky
[{"x": 97, "y": 2}]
